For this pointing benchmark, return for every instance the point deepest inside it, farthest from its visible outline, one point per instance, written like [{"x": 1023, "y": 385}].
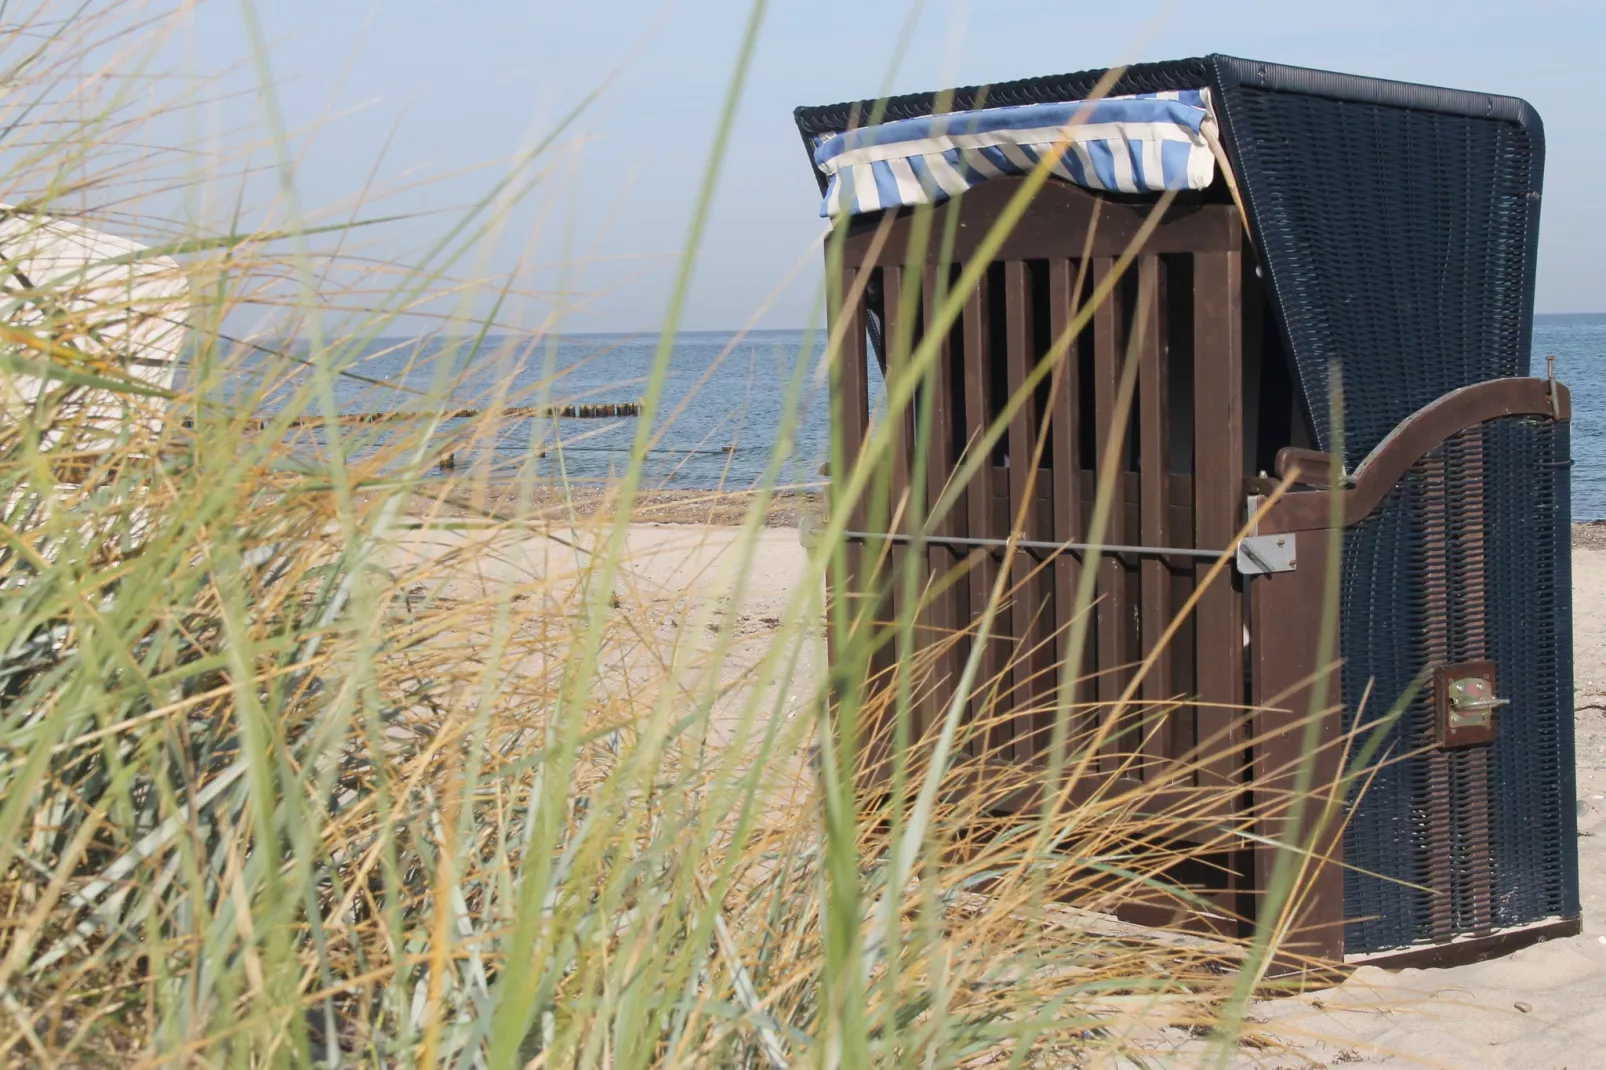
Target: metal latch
[
  {"x": 1467, "y": 703},
  {"x": 1261, "y": 554},
  {"x": 1472, "y": 703}
]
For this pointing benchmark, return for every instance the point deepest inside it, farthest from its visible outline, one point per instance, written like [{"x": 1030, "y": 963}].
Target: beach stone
[
  {"x": 1590, "y": 817},
  {"x": 1524, "y": 1006}
]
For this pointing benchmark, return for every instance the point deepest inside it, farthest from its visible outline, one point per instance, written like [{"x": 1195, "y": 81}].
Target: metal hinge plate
[
  {"x": 1466, "y": 703},
  {"x": 1262, "y": 554}
]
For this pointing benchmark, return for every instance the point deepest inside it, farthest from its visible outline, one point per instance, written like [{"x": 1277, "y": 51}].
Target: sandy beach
[{"x": 1542, "y": 1008}]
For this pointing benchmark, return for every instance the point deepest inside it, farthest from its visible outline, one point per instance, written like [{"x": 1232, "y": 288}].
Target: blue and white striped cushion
[{"x": 1136, "y": 144}]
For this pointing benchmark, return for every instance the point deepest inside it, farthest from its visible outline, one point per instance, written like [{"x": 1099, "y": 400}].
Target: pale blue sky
[{"x": 465, "y": 82}]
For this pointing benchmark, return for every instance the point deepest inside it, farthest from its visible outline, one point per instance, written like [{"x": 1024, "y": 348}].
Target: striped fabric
[{"x": 1138, "y": 144}]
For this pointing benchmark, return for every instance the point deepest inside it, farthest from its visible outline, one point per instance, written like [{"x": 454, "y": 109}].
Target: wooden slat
[
  {"x": 855, "y": 386},
  {"x": 890, "y": 556},
  {"x": 942, "y": 618},
  {"x": 1112, "y": 587},
  {"x": 1286, "y": 619},
  {"x": 1218, "y": 491},
  {"x": 1022, "y": 435},
  {"x": 979, "y": 495},
  {"x": 1059, "y": 221},
  {"x": 1186, "y": 819},
  {"x": 1441, "y": 820},
  {"x": 1471, "y": 585},
  {"x": 1154, "y": 429},
  {"x": 854, "y": 413},
  {"x": 1062, "y": 304}
]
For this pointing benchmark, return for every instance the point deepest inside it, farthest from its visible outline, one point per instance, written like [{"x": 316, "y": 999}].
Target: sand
[
  {"x": 1542, "y": 1008},
  {"x": 682, "y": 587}
]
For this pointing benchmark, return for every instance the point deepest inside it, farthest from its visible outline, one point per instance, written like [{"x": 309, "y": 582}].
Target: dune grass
[{"x": 311, "y": 757}]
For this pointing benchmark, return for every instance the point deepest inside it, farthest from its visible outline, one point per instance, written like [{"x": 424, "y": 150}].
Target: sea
[
  {"x": 1578, "y": 342},
  {"x": 727, "y": 399}
]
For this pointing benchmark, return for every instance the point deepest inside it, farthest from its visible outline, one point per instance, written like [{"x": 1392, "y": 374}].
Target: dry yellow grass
[{"x": 309, "y": 755}]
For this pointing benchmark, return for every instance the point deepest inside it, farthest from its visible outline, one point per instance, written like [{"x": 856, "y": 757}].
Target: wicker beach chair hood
[{"x": 1396, "y": 224}]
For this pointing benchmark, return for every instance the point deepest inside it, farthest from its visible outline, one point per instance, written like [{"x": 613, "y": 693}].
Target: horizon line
[{"x": 740, "y": 330}]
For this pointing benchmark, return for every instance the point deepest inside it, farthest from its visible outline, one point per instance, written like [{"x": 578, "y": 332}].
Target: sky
[{"x": 432, "y": 97}]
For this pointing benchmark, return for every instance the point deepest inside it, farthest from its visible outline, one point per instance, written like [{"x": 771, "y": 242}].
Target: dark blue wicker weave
[
  {"x": 1512, "y": 575},
  {"x": 1397, "y": 224}
]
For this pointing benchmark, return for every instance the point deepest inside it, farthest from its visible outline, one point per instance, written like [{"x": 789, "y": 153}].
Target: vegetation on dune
[{"x": 299, "y": 766}]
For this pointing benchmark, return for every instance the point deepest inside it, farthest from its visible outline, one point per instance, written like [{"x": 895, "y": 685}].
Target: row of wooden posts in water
[{"x": 597, "y": 411}]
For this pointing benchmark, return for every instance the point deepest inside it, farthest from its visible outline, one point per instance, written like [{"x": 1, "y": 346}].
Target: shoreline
[
  {"x": 470, "y": 497},
  {"x": 1589, "y": 534},
  {"x": 692, "y": 508}
]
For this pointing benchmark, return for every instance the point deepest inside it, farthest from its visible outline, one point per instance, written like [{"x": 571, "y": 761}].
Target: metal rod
[{"x": 1033, "y": 544}]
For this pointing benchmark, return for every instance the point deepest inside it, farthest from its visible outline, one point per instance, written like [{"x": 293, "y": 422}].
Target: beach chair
[
  {"x": 1340, "y": 284},
  {"x": 97, "y": 306},
  {"x": 91, "y": 326}
]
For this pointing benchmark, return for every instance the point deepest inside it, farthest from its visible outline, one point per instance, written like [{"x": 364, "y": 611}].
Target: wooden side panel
[
  {"x": 979, "y": 499},
  {"x": 1160, "y": 500},
  {"x": 855, "y": 415},
  {"x": 1026, "y": 593},
  {"x": 1286, "y": 611},
  {"x": 1471, "y": 581},
  {"x": 851, "y": 411},
  {"x": 1109, "y": 431},
  {"x": 1154, "y": 426},
  {"x": 1218, "y": 503},
  {"x": 897, "y": 328},
  {"x": 1064, "y": 413},
  {"x": 1058, "y": 224},
  {"x": 942, "y": 619},
  {"x": 1436, "y": 642}
]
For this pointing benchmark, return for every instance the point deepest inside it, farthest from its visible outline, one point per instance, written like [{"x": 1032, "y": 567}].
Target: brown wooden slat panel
[
  {"x": 1067, "y": 485},
  {"x": 979, "y": 495},
  {"x": 1181, "y": 731},
  {"x": 896, "y": 330},
  {"x": 854, "y": 415},
  {"x": 1058, "y": 222},
  {"x": 855, "y": 411},
  {"x": 1218, "y": 482},
  {"x": 1128, "y": 488},
  {"x": 899, "y": 325},
  {"x": 1285, "y": 618},
  {"x": 1192, "y": 814},
  {"x": 1154, "y": 429},
  {"x": 1022, "y": 439},
  {"x": 1468, "y": 518},
  {"x": 942, "y": 617},
  {"x": 1436, "y": 645},
  {"x": 1108, "y": 342}
]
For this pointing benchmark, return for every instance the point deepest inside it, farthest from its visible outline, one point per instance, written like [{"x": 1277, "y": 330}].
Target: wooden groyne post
[{"x": 597, "y": 411}]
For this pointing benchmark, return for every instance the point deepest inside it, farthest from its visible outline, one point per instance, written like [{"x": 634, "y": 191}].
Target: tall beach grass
[{"x": 313, "y": 754}]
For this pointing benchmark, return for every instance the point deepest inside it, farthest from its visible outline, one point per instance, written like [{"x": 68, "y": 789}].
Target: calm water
[
  {"x": 729, "y": 415},
  {"x": 1579, "y": 345},
  {"x": 723, "y": 404}
]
